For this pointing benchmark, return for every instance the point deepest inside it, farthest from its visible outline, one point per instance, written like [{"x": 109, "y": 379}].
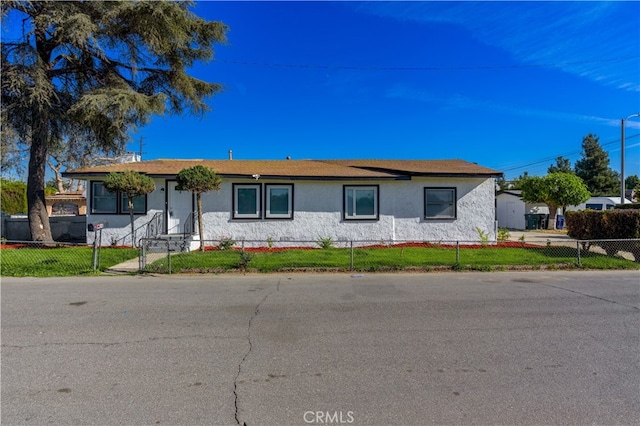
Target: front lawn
[
  {"x": 391, "y": 258},
  {"x": 58, "y": 261}
]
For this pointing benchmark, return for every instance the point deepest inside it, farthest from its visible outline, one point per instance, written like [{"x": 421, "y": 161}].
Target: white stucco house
[{"x": 289, "y": 200}]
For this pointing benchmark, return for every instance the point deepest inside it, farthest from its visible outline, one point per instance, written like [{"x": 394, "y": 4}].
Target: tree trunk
[
  {"x": 200, "y": 226},
  {"x": 133, "y": 230},
  {"x": 36, "y": 204},
  {"x": 553, "y": 212},
  {"x": 59, "y": 181}
]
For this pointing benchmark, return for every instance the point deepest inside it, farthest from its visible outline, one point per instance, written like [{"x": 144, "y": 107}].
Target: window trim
[
  {"x": 124, "y": 204},
  {"x": 267, "y": 201},
  {"x": 376, "y": 205},
  {"x": 258, "y": 214},
  {"x": 119, "y": 208},
  {"x": 93, "y": 198},
  {"x": 455, "y": 203}
]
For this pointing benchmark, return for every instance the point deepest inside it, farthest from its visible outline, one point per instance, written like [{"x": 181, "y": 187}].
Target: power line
[
  {"x": 544, "y": 160},
  {"x": 432, "y": 68}
]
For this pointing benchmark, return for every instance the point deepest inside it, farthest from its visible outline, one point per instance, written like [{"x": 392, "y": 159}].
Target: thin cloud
[
  {"x": 566, "y": 35},
  {"x": 464, "y": 102}
]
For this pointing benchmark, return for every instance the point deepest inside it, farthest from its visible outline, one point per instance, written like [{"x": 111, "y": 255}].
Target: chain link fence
[
  {"x": 41, "y": 259},
  {"x": 224, "y": 255},
  {"x": 21, "y": 258}
]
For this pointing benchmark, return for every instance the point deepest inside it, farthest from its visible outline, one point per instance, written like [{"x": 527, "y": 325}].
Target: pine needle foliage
[
  {"x": 96, "y": 70},
  {"x": 593, "y": 168}
]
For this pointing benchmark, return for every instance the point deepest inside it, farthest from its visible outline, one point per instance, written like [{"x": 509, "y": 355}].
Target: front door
[{"x": 179, "y": 206}]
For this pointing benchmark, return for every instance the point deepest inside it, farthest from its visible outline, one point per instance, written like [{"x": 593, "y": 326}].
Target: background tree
[
  {"x": 593, "y": 168},
  {"x": 11, "y": 151},
  {"x": 556, "y": 190},
  {"x": 563, "y": 165},
  {"x": 198, "y": 179},
  {"x": 133, "y": 184},
  {"x": 632, "y": 183},
  {"x": 95, "y": 70},
  {"x": 13, "y": 196}
]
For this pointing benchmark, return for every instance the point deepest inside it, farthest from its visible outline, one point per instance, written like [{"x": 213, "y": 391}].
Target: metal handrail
[
  {"x": 190, "y": 224},
  {"x": 154, "y": 226}
]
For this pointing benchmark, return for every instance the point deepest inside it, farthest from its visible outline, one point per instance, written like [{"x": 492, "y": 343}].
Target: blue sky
[{"x": 509, "y": 85}]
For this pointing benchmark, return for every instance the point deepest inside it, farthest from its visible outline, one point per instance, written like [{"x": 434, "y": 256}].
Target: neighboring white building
[
  {"x": 512, "y": 210},
  {"x": 288, "y": 200}
]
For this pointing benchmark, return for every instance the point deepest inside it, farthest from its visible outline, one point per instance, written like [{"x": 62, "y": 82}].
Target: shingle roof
[
  {"x": 421, "y": 167},
  {"x": 312, "y": 169}
]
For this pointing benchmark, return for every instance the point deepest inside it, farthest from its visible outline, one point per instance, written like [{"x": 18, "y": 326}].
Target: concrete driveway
[{"x": 541, "y": 237}]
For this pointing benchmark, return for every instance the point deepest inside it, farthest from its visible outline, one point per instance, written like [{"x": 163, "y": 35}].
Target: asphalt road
[{"x": 373, "y": 349}]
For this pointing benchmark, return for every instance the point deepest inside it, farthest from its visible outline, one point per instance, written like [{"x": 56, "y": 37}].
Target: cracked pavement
[{"x": 457, "y": 348}]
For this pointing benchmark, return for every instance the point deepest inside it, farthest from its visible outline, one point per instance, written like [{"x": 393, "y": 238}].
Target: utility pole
[
  {"x": 141, "y": 143},
  {"x": 622, "y": 189}
]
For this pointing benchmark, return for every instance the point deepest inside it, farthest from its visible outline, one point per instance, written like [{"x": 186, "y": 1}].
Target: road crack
[{"x": 256, "y": 312}]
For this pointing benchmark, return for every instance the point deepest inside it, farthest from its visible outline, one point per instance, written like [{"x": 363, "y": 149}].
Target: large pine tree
[
  {"x": 92, "y": 71},
  {"x": 593, "y": 168}
]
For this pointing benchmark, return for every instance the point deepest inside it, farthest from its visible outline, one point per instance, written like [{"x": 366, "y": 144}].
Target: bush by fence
[
  {"x": 609, "y": 224},
  {"x": 604, "y": 226},
  {"x": 628, "y": 206}
]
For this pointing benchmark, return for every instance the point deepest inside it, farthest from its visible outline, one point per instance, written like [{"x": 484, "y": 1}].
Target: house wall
[
  {"x": 118, "y": 226},
  {"x": 318, "y": 213}
]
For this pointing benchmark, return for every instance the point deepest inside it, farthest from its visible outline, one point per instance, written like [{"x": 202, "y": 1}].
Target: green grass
[
  {"x": 69, "y": 261},
  {"x": 389, "y": 259},
  {"x": 58, "y": 261}
]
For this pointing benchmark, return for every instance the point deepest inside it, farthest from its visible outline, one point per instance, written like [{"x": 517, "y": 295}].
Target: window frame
[
  {"x": 267, "y": 201},
  {"x": 258, "y": 214},
  {"x": 124, "y": 204},
  {"x": 121, "y": 205},
  {"x": 93, "y": 198},
  {"x": 376, "y": 203},
  {"x": 454, "y": 190}
]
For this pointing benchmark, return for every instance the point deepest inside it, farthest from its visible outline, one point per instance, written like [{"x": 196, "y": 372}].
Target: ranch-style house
[{"x": 295, "y": 200}]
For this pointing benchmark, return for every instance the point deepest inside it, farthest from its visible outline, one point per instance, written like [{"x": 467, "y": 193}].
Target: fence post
[
  {"x": 351, "y": 263},
  {"x": 578, "y": 250},
  {"x": 142, "y": 253},
  {"x": 169, "y": 255},
  {"x": 457, "y": 252},
  {"x": 97, "y": 245},
  {"x": 93, "y": 253}
]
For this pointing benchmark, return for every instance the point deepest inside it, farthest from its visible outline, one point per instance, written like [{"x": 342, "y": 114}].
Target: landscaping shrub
[
  {"x": 14, "y": 196},
  {"x": 630, "y": 206},
  {"x": 605, "y": 225}
]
